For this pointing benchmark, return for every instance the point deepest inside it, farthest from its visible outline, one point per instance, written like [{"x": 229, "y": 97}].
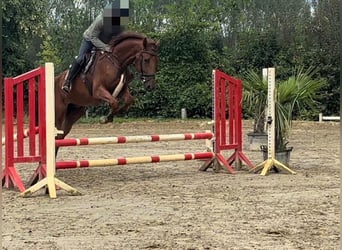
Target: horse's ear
[
  {"x": 158, "y": 44},
  {"x": 145, "y": 42}
]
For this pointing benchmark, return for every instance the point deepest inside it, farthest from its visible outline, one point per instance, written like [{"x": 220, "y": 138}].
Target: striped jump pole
[
  {"x": 25, "y": 134},
  {"x": 134, "y": 160},
  {"x": 132, "y": 139}
]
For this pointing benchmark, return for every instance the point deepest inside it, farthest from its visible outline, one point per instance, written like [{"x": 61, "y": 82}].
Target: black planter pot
[
  {"x": 256, "y": 140},
  {"x": 281, "y": 156}
]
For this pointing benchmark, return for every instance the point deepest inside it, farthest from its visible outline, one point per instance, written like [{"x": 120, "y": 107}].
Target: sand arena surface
[{"x": 172, "y": 205}]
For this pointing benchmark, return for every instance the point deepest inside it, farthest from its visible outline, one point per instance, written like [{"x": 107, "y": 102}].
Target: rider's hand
[{"x": 108, "y": 49}]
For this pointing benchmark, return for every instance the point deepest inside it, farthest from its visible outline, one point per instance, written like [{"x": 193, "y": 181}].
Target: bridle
[{"x": 143, "y": 76}]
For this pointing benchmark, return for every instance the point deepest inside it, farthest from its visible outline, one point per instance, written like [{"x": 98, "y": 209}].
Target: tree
[
  {"x": 325, "y": 53},
  {"x": 23, "y": 28},
  {"x": 196, "y": 36}
]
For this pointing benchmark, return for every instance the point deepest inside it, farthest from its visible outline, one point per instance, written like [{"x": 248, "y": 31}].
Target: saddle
[{"x": 88, "y": 70}]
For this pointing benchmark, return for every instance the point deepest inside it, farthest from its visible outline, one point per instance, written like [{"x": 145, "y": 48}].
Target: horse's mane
[{"x": 124, "y": 36}]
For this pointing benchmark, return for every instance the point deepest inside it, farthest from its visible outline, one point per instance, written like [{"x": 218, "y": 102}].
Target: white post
[
  {"x": 50, "y": 128},
  {"x": 264, "y": 78},
  {"x": 183, "y": 113},
  {"x": 270, "y": 112}
]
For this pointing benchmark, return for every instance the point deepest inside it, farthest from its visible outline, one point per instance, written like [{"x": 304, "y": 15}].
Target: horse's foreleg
[
  {"x": 107, "y": 118},
  {"x": 126, "y": 100},
  {"x": 104, "y": 95}
]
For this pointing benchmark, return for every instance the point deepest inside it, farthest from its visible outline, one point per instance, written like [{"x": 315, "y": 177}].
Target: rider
[{"x": 106, "y": 25}]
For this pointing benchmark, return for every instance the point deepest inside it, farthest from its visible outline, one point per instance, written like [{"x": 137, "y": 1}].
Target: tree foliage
[
  {"x": 196, "y": 36},
  {"x": 23, "y": 28}
]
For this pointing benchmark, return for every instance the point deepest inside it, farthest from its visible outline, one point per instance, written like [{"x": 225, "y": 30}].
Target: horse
[{"x": 128, "y": 48}]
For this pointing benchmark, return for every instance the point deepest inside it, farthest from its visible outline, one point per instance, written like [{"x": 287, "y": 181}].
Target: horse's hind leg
[
  {"x": 60, "y": 117},
  {"x": 73, "y": 114}
]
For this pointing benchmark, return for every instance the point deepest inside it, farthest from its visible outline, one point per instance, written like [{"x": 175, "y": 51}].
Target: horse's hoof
[{"x": 105, "y": 119}]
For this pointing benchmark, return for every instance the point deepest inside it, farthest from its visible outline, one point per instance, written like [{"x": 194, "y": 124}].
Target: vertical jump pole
[
  {"x": 271, "y": 162},
  {"x": 50, "y": 181},
  {"x": 269, "y": 75}
]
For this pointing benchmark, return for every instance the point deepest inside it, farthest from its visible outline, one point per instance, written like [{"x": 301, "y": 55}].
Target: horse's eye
[{"x": 146, "y": 60}]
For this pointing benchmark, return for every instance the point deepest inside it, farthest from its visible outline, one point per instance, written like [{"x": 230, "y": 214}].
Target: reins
[{"x": 112, "y": 58}]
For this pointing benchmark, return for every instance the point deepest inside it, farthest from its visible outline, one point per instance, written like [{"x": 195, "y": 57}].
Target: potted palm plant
[
  {"x": 299, "y": 93},
  {"x": 255, "y": 102}
]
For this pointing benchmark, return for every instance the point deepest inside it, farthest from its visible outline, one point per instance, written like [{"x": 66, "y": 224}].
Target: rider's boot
[{"x": 73, "y": 72}]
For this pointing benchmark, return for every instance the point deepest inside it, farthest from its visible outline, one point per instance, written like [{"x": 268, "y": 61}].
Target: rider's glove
[{"x": 108, "y": 49}]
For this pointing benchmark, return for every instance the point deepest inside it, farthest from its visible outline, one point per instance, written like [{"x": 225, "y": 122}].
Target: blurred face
[{"x": 116, "y": 16}]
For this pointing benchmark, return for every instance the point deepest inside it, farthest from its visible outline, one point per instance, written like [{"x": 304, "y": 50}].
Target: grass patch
[{"x": 96, "y": 120}]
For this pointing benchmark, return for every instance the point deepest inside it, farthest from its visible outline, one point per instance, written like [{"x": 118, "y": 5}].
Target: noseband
[{"x": 143, "y": 76}]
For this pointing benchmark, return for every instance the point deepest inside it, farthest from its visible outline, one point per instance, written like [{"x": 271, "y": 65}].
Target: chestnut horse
[{"x": 128, "y": 48}]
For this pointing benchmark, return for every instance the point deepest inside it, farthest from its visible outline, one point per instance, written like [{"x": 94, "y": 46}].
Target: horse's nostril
[{"x": 149, "y": 87}]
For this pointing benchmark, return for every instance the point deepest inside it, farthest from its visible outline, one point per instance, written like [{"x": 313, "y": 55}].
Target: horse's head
[{"x": 146, "y": 62}]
